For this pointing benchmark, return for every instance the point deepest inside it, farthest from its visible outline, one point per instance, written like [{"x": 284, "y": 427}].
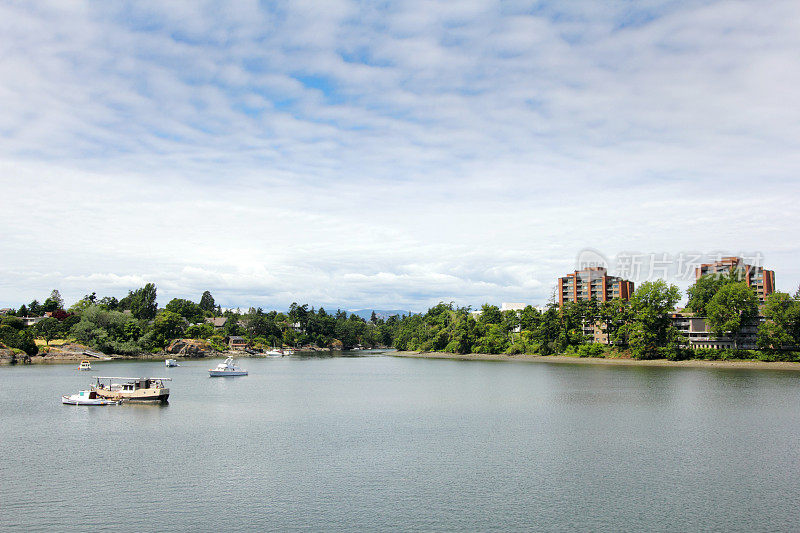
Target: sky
[{"x": 390, "y": 155}]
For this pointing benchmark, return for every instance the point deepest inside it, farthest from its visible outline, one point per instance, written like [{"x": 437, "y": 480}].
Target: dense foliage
[{"x": 641, "y": 327}]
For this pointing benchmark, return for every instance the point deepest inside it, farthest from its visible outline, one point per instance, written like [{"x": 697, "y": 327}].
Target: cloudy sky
[{"x": 392, "y": 154}]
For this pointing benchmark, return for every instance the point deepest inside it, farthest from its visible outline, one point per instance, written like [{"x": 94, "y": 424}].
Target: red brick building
[
  {"x": 592, "y": 282},
  {"x": 757, "y": 277}
]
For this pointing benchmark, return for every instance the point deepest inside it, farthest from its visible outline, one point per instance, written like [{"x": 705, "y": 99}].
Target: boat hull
[
  {"x": 67, "y": 400},
  {"x": 226, "y": 373},
  {"x": 141, "y": 395}
]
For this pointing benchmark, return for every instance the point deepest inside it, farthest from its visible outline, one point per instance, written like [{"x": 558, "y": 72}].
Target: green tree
[
  {"x": 650, "y": 328},
  {"x": 200, "y": 331},
  {"x": 109, "y": 302},
  {"x": 47, "y": 329},
  {"x": 703, "y": 290},
  {"x": 612, "y": 316},
  {"x": 187, "y": 309},
  {"x": 781, "y": 327},
  {"x": 53, "y": 303},
  {"x": 83, "y": 303},
  {"x": 143, "y": 302},
  {"x": 490, "y": 314},
  {"x": 14, "y": 322},
  {"x": 21, "y": 340},
  {"x": 207, "y": 302},
  {"x": 732, "y": 308},
  {"x": 167, "y": 326},
  {"x": 35, "y": 308}
]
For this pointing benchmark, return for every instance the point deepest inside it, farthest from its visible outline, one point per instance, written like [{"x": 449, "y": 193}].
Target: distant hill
[{"x": 366, "y": 314}]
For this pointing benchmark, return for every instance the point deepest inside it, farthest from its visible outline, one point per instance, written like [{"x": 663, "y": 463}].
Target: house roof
[{"x": 217, "y": 321}]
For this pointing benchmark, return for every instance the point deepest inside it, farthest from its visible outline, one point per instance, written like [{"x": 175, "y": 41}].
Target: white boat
[
  {"x": 132, "y": 389},
  {"x": 228, "y": 368},
  {"x": 171, "y": 362},
  {"x": 85, "y": 365},
  {"x": 87, "y": 397},
  {"x": 274, "y": 353}
]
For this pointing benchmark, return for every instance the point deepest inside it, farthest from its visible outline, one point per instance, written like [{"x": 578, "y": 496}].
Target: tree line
[
  {"x": 641, "y": 327},
  {"x": 135, "y": 324}
]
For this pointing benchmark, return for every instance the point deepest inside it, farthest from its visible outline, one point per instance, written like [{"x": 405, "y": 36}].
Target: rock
[
  {"x": 188, "y": 348},
  {"x": 7, "y": 356}
]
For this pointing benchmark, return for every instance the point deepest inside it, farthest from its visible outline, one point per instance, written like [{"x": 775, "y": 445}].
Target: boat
[
  {"x": 85, "y": 365},
  {"x": 87, "y": 397},
  {"x": 171, "y": 362},
  {"x": 132, "y": 389},
  {"x": 228, "y": 368},
  {"x": 273, "y": 353}
]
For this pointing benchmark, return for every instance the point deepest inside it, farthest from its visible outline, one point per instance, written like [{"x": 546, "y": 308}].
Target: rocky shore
[
  {"x": 72, "y": 353},
  {"x": 692, "y": 363}
]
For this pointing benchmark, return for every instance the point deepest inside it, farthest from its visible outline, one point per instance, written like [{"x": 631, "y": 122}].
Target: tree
[
  {"x": 187, "y": 309},
  {"x": 373, "y": 318},
  {"x": 167, "y": 326},
  {"x": 490, "y": 314},
  {"x": 782, "y": 325},
  {"x": 207, "y": 302},
  {"x": 650, "y": 327},
  {"x": 35, "y": 308},
  {"x": 109, "y": 302},
  {"x": 143, "y": 302},
  {"x": 22, "y": 340},
  {"x": 612, "y": 315},
  {"x": 14, "y": 322},
  {"x": 47, "y": 329},
  {"x": 733, "y": 307},
  {"x": 53, "y": 302},
  {"x": 83, "y": 303},
  {"x": 703, "y": 291}
]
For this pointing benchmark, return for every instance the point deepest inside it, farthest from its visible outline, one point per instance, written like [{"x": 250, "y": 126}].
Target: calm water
[{"x": 382, "y": 443}]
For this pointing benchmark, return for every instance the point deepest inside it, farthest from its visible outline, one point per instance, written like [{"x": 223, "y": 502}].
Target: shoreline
[
  {"x": 71, "y": 358},
  {"x": 564, "y": 359}
]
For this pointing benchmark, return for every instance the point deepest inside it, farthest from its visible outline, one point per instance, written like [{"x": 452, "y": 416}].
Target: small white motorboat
[
  {"x": 85, "y": 365},
  {"x": 171, "y": 362},
  {"x": 273, "y": 353},
  {"x": 87, "y": 397},
  {"x": 228, "y": 368}
]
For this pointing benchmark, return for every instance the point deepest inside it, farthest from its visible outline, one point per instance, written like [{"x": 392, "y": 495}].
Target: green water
[{"x": 384, "y": 443}]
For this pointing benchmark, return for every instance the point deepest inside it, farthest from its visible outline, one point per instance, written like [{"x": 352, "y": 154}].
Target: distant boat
[
  {"x": 274, "y": 353},
  {"x": 171, "y": 362},
  {"x": 228, "y": 368},
  {"x": 87, "y": 397},
  {"x": 85, "y": 365}
]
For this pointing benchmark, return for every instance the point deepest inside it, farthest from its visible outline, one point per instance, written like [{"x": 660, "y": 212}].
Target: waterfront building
[
  {"x": 697, "y": 333},
  {"x": 757, "y": 277},
  {"x": 592, "y": 282}
]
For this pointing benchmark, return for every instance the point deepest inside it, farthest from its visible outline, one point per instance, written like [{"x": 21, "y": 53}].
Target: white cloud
[{"x": 392, "y": 155}]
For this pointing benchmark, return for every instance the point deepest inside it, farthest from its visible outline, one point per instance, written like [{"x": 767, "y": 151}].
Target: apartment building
[
  {"x": 592, "y": 282},
  {"x": 757, "y": 277}
]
